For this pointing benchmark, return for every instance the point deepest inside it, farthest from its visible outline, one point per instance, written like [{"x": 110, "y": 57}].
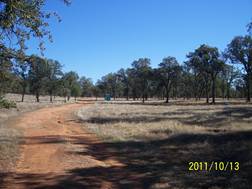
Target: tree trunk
[
  {"x": 207, "y": 90},
  {"x": 167, "y": 99},
  {"x": 127, "y": 93},
  {"x": 228, "y": 91},
  {"x": 213, "y": 89},
  {"x": 223, "y": 89},
  {"x": 207, "y": 95},
  {"x": 167, "y": 95},
  {"x": 201, "y": 91},
  {"x": 143, "y": 92},
  {"x": 134, "y": 94},
  {"x": 23, "y": 94},
  {"x": 51, "y": 96},
  {"x": 248, "y": 87},
  {"x": 37, "y": 96},
  {"x": 22, "y": 100},
  {"x": 163, "y": 94},
  {"x": 196, "y": 93}
]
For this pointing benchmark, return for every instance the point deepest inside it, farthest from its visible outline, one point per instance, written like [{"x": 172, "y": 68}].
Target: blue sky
[{"x": 96, "y": 37}]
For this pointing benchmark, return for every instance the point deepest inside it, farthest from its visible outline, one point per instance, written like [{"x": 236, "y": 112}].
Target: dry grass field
[
  {"x": 142, "y": 145},
  {"x": 122, "y": 121},
  {"x": 157, "y": 141}
]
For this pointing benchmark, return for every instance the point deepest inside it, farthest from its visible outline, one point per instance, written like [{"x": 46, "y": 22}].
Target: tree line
[{"x": 206, "y": 73}]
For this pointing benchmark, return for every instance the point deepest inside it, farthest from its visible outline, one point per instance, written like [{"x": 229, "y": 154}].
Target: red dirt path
[{"x": 52, "y": 144}]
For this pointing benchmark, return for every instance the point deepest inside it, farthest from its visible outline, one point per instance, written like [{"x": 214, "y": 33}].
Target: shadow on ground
[
  {"x": 185, "y": 116},
  {"x": 174, "y": 102},
  {"x": 155, "y": 164}
]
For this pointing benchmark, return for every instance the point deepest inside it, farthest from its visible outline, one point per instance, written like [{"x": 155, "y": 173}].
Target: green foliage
[
  {"x": 240, "y": 52},
  {"x": 86, "y": 85},
  {"x": 53, "y": 76},
  {"x": 21, "y": 20},
  {"x": 5, "y": 73},
  {"x": 205, "y": 61},
  {"x": 141, "y": 71},
  {"x": 38, "y": 75},
  {"x": 65, "y": 92},
  {"x": 168, "y": 73},
  {"x": 69, "y": 81},
  {"x": 76, "y": 90}
]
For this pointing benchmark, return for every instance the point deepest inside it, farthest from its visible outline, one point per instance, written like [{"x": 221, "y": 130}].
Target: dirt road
[{"x": 55, "y": 144}]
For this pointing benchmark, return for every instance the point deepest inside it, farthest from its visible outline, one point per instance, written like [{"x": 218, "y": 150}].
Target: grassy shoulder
[{"x": 9, "y": 140}]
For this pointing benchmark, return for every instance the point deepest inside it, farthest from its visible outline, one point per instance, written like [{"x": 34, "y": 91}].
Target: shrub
[{"x": 4, "y": 103}]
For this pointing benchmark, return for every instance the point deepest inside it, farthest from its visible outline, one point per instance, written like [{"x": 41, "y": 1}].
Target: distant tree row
[{"x": 38, "y": 76}]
